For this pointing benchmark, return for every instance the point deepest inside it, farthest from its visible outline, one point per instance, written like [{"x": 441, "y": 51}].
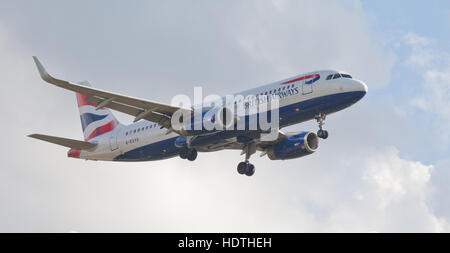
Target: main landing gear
[
  {"x": 246, "y": 168},
  {"x": 320, "y": 118},
  {"x": 188, "y": 153}
]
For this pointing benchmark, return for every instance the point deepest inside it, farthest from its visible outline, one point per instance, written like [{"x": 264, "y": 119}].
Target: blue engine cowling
[
  {"x": 294, "y": 146},
  {"x": 181, "y": 142}
]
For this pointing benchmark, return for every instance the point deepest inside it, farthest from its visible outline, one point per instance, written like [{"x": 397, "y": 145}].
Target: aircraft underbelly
[{"x": 290, "y": 114}]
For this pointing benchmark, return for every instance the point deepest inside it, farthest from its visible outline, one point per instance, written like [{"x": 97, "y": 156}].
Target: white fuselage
[{"x": 294, "y": 95}]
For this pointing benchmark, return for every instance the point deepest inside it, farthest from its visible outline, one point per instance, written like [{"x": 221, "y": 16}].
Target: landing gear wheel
[
  {"x": 325, "y": 134},
  {"x": 246, "y": 168},
  {"x": 192, "y": 154},
  {"x": 250, "y": 170},
  {"x": 242, "y": 167},
  {"x": 322, "y": 134},
  {"x": 183, "y": 153}
]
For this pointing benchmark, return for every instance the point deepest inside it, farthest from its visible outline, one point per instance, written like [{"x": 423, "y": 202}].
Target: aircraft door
[
  {"x": 113, "y": 140},
  {"x": 307, "y": 84}
]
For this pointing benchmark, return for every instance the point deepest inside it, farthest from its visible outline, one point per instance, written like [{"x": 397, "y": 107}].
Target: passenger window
[
  {"x": 336, "y": 76},
  {"x": 126, "y": 133},
  {"x": 284, "y": 87},
  {"x": 134, "y": 131},
  {"x": 329, "y": 77},
  {"x": 265, "y": 93}
]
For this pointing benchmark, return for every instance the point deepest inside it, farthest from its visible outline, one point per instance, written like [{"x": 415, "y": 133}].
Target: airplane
[{"x": 151, "y": 136}]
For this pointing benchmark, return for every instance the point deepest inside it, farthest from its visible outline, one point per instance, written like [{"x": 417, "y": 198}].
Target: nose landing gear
[{"x": 320, "y": 118}]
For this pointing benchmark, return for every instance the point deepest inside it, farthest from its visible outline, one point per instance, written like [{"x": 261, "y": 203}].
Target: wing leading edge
[{"x": 139, "y": 108}]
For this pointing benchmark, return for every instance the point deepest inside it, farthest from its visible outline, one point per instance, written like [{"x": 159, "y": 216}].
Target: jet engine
[
  {"x": 294, "y": 146},
  {"x": 211, "y": 120}
]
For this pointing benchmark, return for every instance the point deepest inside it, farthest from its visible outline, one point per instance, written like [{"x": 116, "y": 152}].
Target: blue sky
[
  {"x": 429, "y": 18},
  {"x": 386, "y": 162},
  {"x": 391, "y": 20}
]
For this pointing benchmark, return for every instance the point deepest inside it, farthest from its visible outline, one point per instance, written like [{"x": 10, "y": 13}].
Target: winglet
[{"x": 42, "y": 71}]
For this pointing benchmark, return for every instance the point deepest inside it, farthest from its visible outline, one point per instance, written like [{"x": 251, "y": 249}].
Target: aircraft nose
[
  {"x": 363, "y": 86},
  {"x": 361, "y": 89},
  {"x": 358, "y": 89}
]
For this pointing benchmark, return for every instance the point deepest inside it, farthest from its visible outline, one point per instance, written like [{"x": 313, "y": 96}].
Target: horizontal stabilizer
[{"x": 81, "y": 145}]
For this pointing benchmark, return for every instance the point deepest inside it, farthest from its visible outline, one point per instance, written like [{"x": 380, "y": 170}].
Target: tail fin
[{"x": 94, "y": 121}]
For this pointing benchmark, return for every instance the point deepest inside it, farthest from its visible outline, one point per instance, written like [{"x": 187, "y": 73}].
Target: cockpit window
[
  {"x": 346, "y": 76},
  {"x": 336, "y": 76}
]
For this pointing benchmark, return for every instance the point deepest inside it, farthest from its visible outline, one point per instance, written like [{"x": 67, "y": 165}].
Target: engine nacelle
[
  {"x": 181, "y": 142},
  {"x": 294, "y": 146},
  {"x": 210, "y": 120}
]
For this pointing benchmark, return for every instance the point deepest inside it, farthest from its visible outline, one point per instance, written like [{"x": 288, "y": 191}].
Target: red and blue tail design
[{"x": 94, "y": 122}]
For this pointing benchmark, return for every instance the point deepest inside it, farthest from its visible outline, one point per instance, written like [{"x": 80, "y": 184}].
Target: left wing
[{"x": 139, "y": 108}]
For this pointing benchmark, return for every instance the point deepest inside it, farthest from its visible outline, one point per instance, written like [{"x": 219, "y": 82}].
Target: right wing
[
  {"x": 82, "y": 145},
  {"x": 139, "y": 108}
]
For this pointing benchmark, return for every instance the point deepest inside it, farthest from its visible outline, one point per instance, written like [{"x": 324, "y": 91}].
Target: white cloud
[
  {"x": 420, "y": 103},
  {"x": 389, "y": 194},
  {"x": 421, "y": 55},
  {"x": 434, "y": 67},
  {"x": 440, "y": 188},
  {"x": 392, "y": 178},
  {"x": 414, "y": 39},
  {"x": 293, "y": 39},
  {"x": 437, "y": 91}
]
